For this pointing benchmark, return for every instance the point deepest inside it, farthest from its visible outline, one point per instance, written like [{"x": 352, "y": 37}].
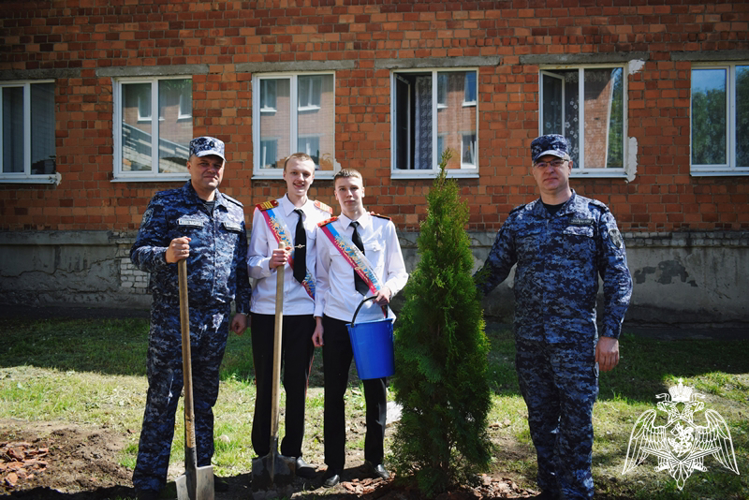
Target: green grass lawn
[{"x": 92, "y": 373}]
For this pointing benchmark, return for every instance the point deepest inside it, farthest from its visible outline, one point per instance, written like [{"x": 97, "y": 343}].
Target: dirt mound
[{"x": 45, "y": 460}]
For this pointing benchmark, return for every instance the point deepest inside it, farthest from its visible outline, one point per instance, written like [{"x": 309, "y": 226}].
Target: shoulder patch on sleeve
[
  {"x": 322, "y": 206},
  {"x": 380, "y": 216},
  {"x": 229, "y": 198},
  {"x": 328, "y": 221},
  {"x": 267, "y": 205},
  {"x": 615, "y": 238}
]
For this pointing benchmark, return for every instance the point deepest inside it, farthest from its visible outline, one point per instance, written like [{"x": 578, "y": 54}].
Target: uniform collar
[
  {"x": 193, "y": 197},
  {"x": 288, "y": 207},
  {"x": 539, "y": 209},
  {"x": 364, "y": 221}
]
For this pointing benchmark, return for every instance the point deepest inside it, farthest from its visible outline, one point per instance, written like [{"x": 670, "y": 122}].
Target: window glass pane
[
  {"x": 468, "y": 150},
  {"x": 599, "y": 96},
  {"x": 404, "y": 85},
  {"x": 268, "y": 151},
  {"x": 442, "y": 89},
  {"x": 469, "y": 89},
  {"x": 440, "y": 145},
  {"x": 615, "y": 152},
  {"x": 136, "y": 133},
  {"x": 274, "y": 127},
  {"x": 311, "y": 146},
  {"x": 12, "y": 129},
  {"x": 174, "y": 133},
  {"x": 309, "y": 90},
  {"x": 709, "y": 117},
  {"x": 572, "y": 112},
  {"x": 43, "y": 128},
  {"x": 267, "y": 95},
  {"x": 457, "y": 123},
  {"x": 552, "y": 105},
  {"x": 742, "y": 116},
  {"x": 316, "y": 119}
]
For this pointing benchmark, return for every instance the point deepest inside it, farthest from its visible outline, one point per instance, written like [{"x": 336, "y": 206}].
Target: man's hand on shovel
[{"x": 178, "y": 249}]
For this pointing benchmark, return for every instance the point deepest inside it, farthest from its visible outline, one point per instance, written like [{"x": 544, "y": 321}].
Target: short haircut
[
  {"x": 298, "y": 156},
  {"x": 347, "y": 172}
]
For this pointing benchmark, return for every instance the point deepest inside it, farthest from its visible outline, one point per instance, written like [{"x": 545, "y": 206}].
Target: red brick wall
[{"x": 92, "y": 34}]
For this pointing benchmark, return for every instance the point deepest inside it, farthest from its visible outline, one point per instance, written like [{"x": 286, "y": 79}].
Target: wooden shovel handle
[
  {"x": 184, "y": 319},
  {"x": 277, "y": 346}
]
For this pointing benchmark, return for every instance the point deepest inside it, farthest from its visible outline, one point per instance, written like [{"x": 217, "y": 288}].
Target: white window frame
[
  {"x": 580, "y": 170},
  {"x": 466, "y": 171},
  {"x": 294, "y": 109},
  {"x": 25, "y": 177},
  {"x": 141, "y": 176},
  {"x": 729, "y": 169}
]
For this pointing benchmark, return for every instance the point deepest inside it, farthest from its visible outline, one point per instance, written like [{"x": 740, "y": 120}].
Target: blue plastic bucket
[{"x": 372, "y": 343}]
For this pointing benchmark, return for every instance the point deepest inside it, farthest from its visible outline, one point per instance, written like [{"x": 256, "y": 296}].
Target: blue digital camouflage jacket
[
  {"x": 216, "y": 269},
  {"x": 559, "y": 259}
]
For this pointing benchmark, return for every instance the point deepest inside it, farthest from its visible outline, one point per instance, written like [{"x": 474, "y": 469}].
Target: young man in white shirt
[
  {"x": 338, "y": 295},
  {"x": 292, "y": 220}
]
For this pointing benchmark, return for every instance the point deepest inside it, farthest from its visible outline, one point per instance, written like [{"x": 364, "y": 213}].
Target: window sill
[
  {"x": 31, "y": 179},
  {"x": 277, "y": 175},
  {"x": 599, "y": 173},
  {"x": 431, "y": 174},
  {"x": 151, "y": 178},
  {"x": 719, "y": 173}
]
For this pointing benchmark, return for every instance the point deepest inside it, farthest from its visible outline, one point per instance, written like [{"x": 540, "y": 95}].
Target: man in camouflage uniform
[
  {"x": 561, "y": 243},
  {"x": 206, "y": 227}
]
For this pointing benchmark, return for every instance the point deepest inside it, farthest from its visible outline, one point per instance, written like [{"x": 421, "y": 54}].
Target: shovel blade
[
  {"x": 272, "y": 471},
  {"x": 199, "y": 489}
]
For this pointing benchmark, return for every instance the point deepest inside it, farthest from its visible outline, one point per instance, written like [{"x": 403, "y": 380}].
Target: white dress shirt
[
  {"x": 336, "y": 294},
  {"x": 296, "y": 301}
]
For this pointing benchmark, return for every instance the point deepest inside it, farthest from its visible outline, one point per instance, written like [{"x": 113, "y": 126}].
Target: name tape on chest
[
  {"x": 190, "y": 222},
  {"x": 582, "y": 222}
]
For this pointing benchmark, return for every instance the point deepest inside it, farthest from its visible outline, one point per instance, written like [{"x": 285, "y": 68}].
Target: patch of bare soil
[
  {"x": 49, "y": 460},
  {"x": 63, "y": 461}
]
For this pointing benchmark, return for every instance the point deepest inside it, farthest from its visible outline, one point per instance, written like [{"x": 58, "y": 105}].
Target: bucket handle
[{"x": 384, "y": 311}]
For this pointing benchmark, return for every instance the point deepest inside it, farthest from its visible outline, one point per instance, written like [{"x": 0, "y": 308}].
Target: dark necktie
[
  {"x": 361, "y": 286},
  {"x": 300, "y": 249}
]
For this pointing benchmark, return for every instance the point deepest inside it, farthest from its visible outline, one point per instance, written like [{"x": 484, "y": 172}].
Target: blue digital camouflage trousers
[
  {"x": 559, "y": 383},
  {"x": 209, "y": 329}
]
